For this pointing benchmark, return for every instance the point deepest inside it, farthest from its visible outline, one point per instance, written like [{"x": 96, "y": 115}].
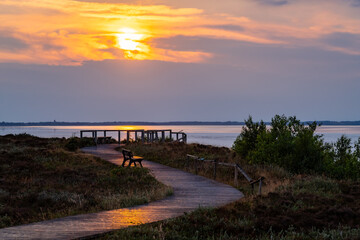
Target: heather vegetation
[{"x": 41, "y": 179}]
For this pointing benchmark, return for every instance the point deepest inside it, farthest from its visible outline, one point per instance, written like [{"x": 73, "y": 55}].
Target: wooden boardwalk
[{"x": 190, "y": 192}]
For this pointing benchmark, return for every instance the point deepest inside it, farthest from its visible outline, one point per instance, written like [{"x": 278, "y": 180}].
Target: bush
[
  {"x": 247, "y": 140},
  {"x": 74, "y": 143},
  {"x": 344, "y": 162},
  {"x": 294, "y": 146}
]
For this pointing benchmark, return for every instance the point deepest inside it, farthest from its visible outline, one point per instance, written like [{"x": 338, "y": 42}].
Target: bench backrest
[{"x": 127, "y": 154}]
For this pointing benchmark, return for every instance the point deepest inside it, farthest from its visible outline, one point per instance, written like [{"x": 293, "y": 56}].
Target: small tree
[
  {"x": 247, "y": 140},
  {"x": 288, "y": 143},
  {"x": 345, "y": 162}
]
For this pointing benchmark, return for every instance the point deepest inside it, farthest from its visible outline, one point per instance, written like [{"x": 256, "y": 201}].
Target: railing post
[
  {"x": 236, "y": 177},
  {"x": 170, "y": 132},
  {"x": 136, "y": 137},
  {"x": 119, "y": 135},
  {"x": 215, "y": 165},
  {"x": 104, "y": 134},
  {"x": 127, "y": 136},
  {"x": 260, "y": 184},
  {"x": 163, "y": 136},
  {"x": 187, "y": 163},
  {"x": 196, "y": 166},
  {"x": 81, "y": 134},
  {"x": 142, "y": 136},
  {"x": 96, "y": 141}
]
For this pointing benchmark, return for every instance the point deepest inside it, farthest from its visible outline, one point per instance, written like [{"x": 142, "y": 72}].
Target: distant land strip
[{"x": 176, "y": 123}]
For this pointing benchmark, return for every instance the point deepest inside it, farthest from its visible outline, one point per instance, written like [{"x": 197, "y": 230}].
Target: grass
[
  {"x": 293, "y": 207},
  {"x": 41, "y": 179}
]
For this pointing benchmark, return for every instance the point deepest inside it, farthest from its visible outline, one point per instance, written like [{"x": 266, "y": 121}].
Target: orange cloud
[{"x": 67, "y": 32}]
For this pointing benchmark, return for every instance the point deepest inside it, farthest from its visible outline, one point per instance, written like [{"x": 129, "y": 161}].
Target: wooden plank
[
  {"x": 227, "y": 164},
  {"x": 244, "y": 173}
]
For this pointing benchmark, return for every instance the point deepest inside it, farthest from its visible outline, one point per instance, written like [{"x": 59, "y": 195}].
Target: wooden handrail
[{"x": 236, "y": 166}]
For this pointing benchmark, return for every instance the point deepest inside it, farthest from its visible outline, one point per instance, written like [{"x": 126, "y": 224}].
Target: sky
[{"x": 162, "y": 60}]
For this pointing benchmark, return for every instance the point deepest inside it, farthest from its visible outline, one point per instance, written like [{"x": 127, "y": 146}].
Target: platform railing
[{"x": 144, "y": 136}]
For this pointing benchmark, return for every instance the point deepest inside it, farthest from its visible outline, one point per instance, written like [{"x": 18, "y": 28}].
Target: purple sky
[{"x": 179, "y": 60}]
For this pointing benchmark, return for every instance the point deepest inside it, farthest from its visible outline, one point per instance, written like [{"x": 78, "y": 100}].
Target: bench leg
[
  {"x": 131, "y": 162},
  {"x": 123, "y": 164},
  {"x": 141, "y": 164}
]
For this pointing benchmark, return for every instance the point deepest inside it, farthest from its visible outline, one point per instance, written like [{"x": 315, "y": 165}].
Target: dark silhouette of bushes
[{"x": 74, "y": 143}]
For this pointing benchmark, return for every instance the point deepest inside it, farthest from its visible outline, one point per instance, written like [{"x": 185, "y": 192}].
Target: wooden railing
[
  {"x": 237, "y": 169},
  {"x": 139, "y": 135}
]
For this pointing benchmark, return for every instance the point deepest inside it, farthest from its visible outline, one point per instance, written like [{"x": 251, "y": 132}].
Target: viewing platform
[{"x": 139, "y": 135}]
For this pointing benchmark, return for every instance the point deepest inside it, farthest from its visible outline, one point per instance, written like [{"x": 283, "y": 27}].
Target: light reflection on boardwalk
[{"x": 190, "y": 192}]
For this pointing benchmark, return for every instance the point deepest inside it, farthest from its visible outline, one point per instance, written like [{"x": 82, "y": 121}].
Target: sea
[{"x": 216, "y": 135}]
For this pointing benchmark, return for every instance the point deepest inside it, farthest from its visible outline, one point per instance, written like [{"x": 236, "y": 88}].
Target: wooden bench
[{"x": 128, "y": 155}]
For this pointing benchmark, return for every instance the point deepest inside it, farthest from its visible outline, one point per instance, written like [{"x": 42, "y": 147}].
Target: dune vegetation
[
  {"x": 43, "y": 179},
  {"x": 311, "y": 188}
]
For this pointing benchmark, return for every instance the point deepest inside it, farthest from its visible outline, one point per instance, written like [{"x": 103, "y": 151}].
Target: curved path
[{"x": 190, "y": 192}]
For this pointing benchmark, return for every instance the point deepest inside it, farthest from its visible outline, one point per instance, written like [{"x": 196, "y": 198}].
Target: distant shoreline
[{"x": 178, "y": 123}]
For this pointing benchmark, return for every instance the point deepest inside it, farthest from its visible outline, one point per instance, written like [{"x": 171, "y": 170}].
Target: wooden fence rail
[{"x": 237, "y": 169}]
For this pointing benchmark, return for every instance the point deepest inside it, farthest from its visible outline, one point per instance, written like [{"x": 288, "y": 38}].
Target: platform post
[{"x": 236, "y": 177}]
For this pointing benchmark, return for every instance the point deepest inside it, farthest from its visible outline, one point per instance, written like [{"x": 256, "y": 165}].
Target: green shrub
[
  {"x": 344, "y": 162},
  {"x": 247, "y": 140},
  {"x": 290, "y": 144},
  {"x": 74, "y": 143}
]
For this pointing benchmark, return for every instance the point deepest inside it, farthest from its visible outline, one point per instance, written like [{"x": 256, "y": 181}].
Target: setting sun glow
[{"x": 129, "y": 39}]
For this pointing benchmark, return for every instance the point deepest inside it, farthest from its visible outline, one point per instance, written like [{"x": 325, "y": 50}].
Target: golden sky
[
  {"x": 67, "y": 32},
  {"x": 186, "y": 60}
]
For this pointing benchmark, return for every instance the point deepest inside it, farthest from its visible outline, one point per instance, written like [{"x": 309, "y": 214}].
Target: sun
[{"x": 128, "y": 39}]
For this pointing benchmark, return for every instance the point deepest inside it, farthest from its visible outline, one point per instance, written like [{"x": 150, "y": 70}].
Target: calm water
[{"x": 213, "y": 135}]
